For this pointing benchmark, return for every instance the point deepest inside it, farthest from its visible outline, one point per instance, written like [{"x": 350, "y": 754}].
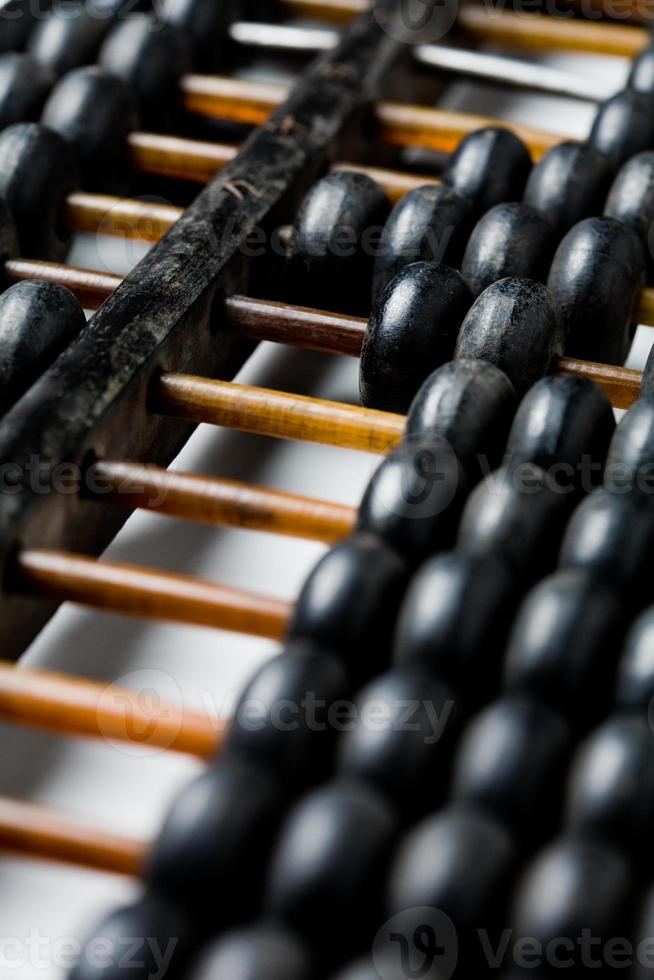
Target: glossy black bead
[
  {"x": 489, "y": 166},
  {"x": 71, "y": 36},
  {"x": 510, "y": 760},
  {"x": 24, "y": 86},
  {"x": 563, "y": 646},
  {"x": 611, "y": 536},
  {"x": 574, "y": 887},
  {"x": 349, "y": 602},
  {"x": 37, "y": 321},
  {"x": 8, "y": 234},
  {"x": 515, "y": 325},
  {"x": 454, "y": 619},
  {"x": 515, "y": 515},
  {"x": 564, "y": 424},
  {"x": 205, "y": 23},
  {"x": 414, "y": 498},
  {"x": 634, "y": 689},
  {"x": 136, "y": 942},
  {"x": 647, "y": 383},
  {"x": 95, "y": 112},
  {"x": 150, "y": 58},
  {"x": 641, "y": 76},
  {"x": 568, "y": 183},
  {"x": 597, "y": 271},
  {"x": 630, "y": 460},
  {"x": 457, "y": 861},
  {"x": 17, "y": 20},
  {"x": 624, "y": 126},
  {"x": 216, "y": 839},
  {"x": 281, "y": 721},
  {"x": 470, "y": 404},
  {"x": 327, "y": 867},
  {"x": 37, "y": 173},
  {"x": 411, "y": 331},
  {"x": 631, "y": 200},
  {"x": 512, "y": 239},
  {"x": 610, "y": 793},
  {"x": 258, "y": 952},
  {"x": 337, "y": 229},
  {"x": 398, "y": 743},
  {"x": 429, "y": 224}
]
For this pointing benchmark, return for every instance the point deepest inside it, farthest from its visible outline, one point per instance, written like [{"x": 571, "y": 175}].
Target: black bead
[
  {"x": 399, "y": 739},
  {"x": 630, "y": 460},
  {"x": 17, "y": 18},
  {"x": 281, "y": 721},
  {"x": 454, "y": 620},
  {"x": 8, "y": 235},
  {"x": 214, "y": 843},
  {"x": 489, "y": 166},
  {"x": 414, "y": 498},
  {"x": 24, "y": 86},
  {"x": 641, "y": 76},
  {"x": 326, "y": 871},
  {"x": 71, "y": 36},
  {"x": 411, "y": 331},
  {"x": 563, "y": 646},
  {"x": 205, "y": 22},
  {"x": 515, "y": 515},
  {"x": 634, "y": 689},
  {"x": 95, "y": 112},
  {"x": 568, "y": 183},
  {"x": 150, "y": 58},
  {"x": 512, "y": 239},
  {"x": 258, "y": 952},
  {"x": 457, "y": 861},
  {"x": 610, "y": 793},
  {"x": 596, "y": 274},
  {"x": 647, "y": 383},
  {"x": 510, "y": 760},
  {"x": 624, "y": 126},
  {"x": 349, "y": 602},
  {"x": 564, "y": 424},
  {"x": 515, "y": 325},
  {"x": 469, "y": 404},
  {"x": 573, "y": 887},
  {"x": 37, "y": 173},
  {"x": 631, "y": 200},
  {"x": 136, "y": 942},
  {"x": 429, "y": 224},
  {"x": 611, "y": 536},
  {"x": 37, "y": 321},
  {"x": 336, "y": 231}
]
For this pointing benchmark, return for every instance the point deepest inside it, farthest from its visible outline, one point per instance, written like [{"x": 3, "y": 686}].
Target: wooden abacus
[{"x": 488, "y": 362}]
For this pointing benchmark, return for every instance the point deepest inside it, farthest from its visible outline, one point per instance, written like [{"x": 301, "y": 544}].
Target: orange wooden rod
[
  {"x": 275, "y": 413},
  {"x": 148, "y": 593},
  {"x": 517, "y": 29},
  {"x": 208, "y": 500},
  {"x": 41, "y": 832},
  {"x": 398, "y": 123},
  {"x": 73, "y": 706}
]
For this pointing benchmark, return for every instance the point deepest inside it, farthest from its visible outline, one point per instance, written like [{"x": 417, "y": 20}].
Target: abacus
[{"x": 453, "y": 737}]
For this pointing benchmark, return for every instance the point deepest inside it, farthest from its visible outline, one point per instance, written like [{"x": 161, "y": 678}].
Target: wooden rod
[
  {"x": 74, "y": 706},
  {"x": 621, "y": 385},
  {"x": 41, "y": 832},
  {"x": 521, "y": 30},
  {"x": 174, "y": 156},
  {"x": 400, "y": 124},
  {"x": 276, "y": 413},
  {"x": 134, "y": 591},
  {"x": 102, "y": 214},
  {"x": 91, "y": 288},
  {"x": 227, "y": 502}
]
